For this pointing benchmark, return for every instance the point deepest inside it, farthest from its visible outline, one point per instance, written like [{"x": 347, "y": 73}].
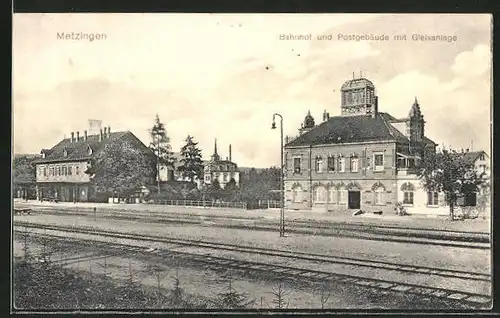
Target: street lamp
[{"x": 282, "y": 210}]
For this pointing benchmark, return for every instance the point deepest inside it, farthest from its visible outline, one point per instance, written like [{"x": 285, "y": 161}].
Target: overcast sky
[{"x": 223, "y": 76}]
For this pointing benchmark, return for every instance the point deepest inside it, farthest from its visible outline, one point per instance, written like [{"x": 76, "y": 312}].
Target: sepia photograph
[{"x": 175, "y": 162}]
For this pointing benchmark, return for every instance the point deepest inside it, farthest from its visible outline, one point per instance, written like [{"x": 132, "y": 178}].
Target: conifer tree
[{"x": 191, "y": 163}]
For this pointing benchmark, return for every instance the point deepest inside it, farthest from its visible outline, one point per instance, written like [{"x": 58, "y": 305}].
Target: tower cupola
[{"x": 358, "y": 97}]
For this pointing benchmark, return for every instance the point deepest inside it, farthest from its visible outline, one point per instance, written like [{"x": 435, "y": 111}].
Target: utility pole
[
  {"x": 282, "y": 194},
  {"x": 158, "y": 161}
]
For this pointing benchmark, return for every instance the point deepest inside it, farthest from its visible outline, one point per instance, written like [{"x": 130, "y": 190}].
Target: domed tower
[
  {"x": 415, "y": 123},
  {"x": 358, "y": 98},
  {"x": 308, "y": 123}
]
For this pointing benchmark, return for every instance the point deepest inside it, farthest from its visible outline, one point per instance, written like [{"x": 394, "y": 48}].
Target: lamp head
[{"x": 273, "y": 126}]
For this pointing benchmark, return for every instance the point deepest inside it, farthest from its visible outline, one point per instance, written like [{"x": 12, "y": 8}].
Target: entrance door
[{"x": 354, "y": 199}]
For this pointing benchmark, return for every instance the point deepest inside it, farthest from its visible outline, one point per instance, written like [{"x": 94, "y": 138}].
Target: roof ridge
[{"x": 388, "y": 128}]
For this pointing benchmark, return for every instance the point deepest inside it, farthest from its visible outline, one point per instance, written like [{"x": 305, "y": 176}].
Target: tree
[
  {"x": 160, "y": 145},
  {"x": 121, "y": 168},
  {"x": 214, "y": 189},
  {"x": 23, "y": 169},
  {"x": 191, "y": 164},
  {"x": 24, "y": 173},
  {"x": 448, "y": 171},
  {"x": 230, "y": 190}
]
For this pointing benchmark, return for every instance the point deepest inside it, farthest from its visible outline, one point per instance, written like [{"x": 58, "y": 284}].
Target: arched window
[
  {"x": 378, "y": 193},
  {"x": 332, "y": 194},
  {"x": 297, "y": 193},
  {"x": 319, "y": 194},
  {"x": 408, "y": 190}
]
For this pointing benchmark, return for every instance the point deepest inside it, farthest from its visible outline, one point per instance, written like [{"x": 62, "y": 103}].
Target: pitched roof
[
  {"x": 348, "y": 129},
  {"x": 472, "y": 156},
  {"x": 78, "y": 150}
]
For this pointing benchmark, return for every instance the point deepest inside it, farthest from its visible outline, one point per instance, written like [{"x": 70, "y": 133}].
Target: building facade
[
  {"x": 355, "y": 160},
  {"x": 61, "y": 172},
  {"x": 221, "y": 170}
]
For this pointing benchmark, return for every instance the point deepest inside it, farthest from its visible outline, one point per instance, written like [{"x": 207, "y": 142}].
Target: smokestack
[
  {"x": 109, "y": 131},
  {"x": 72, "y": 137},
  {"x": 100, "y": 135},
  {"x": 77, "y": 136},
  {"x": 85, "y": 135},
  {"x": 230, "y": 152},
  {"x": 105, "y": 135}
]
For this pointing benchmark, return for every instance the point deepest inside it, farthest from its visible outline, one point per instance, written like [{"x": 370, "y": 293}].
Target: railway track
[
  {"x": 398, "y": 234},
  {"x": 170, "y": 247}
]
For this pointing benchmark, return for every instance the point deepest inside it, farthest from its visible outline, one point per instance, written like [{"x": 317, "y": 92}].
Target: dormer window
[
  {"x": 89, "y": 150},
  {"x": 65, "y": 152}
]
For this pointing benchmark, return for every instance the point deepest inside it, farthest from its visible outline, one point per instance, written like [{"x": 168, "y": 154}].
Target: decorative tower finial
[{"x": 416, "y": 101}]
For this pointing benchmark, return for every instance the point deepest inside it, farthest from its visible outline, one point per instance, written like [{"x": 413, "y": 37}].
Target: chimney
[
  {"x": 229, "y": 152},
  {"x": 467, "y": 150},
  {"x": 85, "y": 135},
  {"x": 72, "y": 137},
  {"x": 109, "y": 131},
  {"x": 77, "y": 136},
  {"x": 105, "y": 135},
  {"x": 100, "y": 135}
]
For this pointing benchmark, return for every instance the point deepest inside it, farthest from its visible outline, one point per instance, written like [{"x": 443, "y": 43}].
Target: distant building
[
  {"x": 60, "y": 173},
  {"x": 222, "y": 170}
]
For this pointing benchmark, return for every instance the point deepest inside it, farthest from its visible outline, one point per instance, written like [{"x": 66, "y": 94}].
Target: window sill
[
  {"x": 407, "y": 205},
  {"x": 379, "y": 204},
  {"x": 432, "y": 206}
]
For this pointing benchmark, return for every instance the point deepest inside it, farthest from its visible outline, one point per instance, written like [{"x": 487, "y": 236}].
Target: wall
[
  {"x": 81, "y": 177},
  {"x": 366, "y": 177},
  {"x": 420, "y": 198}
]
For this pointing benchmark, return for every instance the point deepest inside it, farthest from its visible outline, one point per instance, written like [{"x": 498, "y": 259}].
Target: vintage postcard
[{"x": 201, "y": 162}]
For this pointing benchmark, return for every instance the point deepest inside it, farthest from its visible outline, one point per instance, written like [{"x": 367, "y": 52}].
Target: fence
[
  {"x": 260, "y": 204},
  {"x": 207, "y": 204}
]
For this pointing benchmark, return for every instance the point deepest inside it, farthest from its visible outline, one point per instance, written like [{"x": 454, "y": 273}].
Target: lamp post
[{"x": 282, "y": 209}]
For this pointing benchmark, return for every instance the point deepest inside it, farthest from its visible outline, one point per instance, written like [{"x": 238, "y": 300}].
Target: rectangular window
[
  {"x": 432, "y": 198},
  {"x": 408, "y": 197},
  {"x": 296, "y": 165},
  {"x": 481, "y": 157},
  {"x": 77, "y": 170},
  {"x": 331, "y": 164},
  {"x": 225, "y": 177},
  {"x": 65, "y": 171},
  {"x": 51, "y": 171},
  {"x": 70, "y": 168},
  {"x": 482, "y": 169},
  {"x": 319, "y": 165},
  {"x": 354, "y": 164},
  {"x": 44, "y": 172},
  {"x": 378, "y": 162},
  {"x": 341, "y": 164}
]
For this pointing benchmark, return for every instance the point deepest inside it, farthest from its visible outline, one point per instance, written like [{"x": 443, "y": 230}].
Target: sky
[{"x": 224, "y": 75}]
